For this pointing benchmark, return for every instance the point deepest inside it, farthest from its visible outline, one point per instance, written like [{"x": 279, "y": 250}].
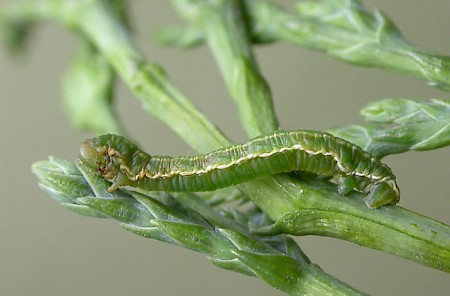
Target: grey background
[{"x": 47, "y": 250}]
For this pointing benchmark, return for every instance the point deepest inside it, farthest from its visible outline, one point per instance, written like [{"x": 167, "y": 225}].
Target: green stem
[
  {"x": 224, "y": 25},
  {"x": 147, "y": 80},
  {"x": 363, "y": 39},
  {"x": 390, "y": 229},
  {"x": 310, "y": 281}
]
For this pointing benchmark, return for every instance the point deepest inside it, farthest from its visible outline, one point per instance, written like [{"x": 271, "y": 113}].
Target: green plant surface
[
  {"x": 400, "y": 125},
  {"x": 344, "y": 29},
  {"x": 197, "y": 227},
  {"x": 88, "y": 92},
  {"x": 232, "y": 239},
  {"x": 225, "y": 27}
]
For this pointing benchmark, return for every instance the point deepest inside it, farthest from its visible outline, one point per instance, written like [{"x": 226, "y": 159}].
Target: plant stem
[
  {"x": 224, "y": 25},
  {"x": 350, "y": 33},
  {"x": 390, "y": 229}
]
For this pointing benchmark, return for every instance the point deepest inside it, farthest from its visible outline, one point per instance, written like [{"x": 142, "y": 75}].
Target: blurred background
[{"x": 48, "y": 250}]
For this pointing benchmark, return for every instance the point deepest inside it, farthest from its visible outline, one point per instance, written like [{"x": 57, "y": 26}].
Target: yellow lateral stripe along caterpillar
[{"x": 124, "y": 164}]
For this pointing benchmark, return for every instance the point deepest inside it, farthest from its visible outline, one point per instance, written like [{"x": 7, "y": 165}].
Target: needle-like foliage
[{"x": 245, "y": 228}]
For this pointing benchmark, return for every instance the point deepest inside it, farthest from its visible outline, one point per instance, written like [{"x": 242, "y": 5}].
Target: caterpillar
[{"x": 124, "y": 164}]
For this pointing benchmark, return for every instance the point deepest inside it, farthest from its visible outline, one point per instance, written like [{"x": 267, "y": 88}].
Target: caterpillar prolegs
[{"x": 124, "y": 164}]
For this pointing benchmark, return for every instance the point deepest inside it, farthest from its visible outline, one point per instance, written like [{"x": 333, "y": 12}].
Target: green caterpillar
[{"x": 124, "y": 164}]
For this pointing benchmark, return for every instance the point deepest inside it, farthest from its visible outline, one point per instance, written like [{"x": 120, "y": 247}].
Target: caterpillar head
[
  {"x": 106, "y": 154},
  {"x": 94, "y": 157}
]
